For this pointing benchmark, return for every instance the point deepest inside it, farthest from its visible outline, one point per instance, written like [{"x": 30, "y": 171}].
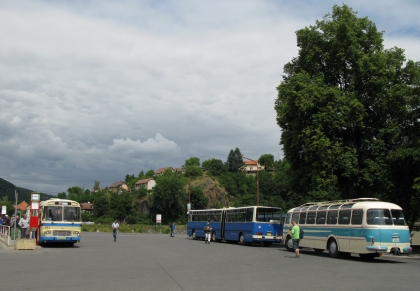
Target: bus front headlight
[
  {"x": 76, "y": 233},
  {"x": 47, "y": 233}
]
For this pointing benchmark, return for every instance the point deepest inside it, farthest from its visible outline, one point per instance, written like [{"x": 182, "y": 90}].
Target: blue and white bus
[
  {"x": 365, "y": 226},
  {"x": 246, "y": 225}
]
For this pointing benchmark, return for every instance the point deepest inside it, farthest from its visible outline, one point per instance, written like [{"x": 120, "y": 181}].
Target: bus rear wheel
[
  {"x": 333, "y": 248},
  {"x": 289, "y": 244},
  {"x": 241, "y": 239}
]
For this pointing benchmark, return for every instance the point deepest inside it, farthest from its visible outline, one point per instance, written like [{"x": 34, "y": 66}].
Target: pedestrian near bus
[
  {"x": 115, "y": 227},
  {"x": 173, "y": 229},
  {"x": 207, "y": 231},
  {"x": 296, "y": 238},
  {"x": 24, "y": 225}
]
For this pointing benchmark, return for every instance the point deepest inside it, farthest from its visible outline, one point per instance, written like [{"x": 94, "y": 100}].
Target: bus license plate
[
  {"x": 269, "y": 233},
  {"x": 395, "y": 239},
  {"x": 61, "y": 237}
]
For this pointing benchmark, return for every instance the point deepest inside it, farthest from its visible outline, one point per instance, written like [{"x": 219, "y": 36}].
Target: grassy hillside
[{"x": 7, "y": 189}]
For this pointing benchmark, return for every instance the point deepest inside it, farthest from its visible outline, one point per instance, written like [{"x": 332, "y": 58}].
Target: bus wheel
[
  {"x": 213, "y": 236},
  {"x": 333, "y": 248},
  {"x": 241, "y": 239},
  {"x": 193, "y": 235},
  {"x": 289, "y": 244}
]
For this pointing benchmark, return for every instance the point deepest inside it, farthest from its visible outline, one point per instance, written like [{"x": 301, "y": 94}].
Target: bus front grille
[{"x": 61, "y": 233}]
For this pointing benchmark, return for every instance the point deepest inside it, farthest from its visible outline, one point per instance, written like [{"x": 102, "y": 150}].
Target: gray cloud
[{"x": 95, "y": 90}]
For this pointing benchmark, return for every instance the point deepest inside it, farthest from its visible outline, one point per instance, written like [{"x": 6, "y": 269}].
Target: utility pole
[{"x": 14, "y": 221}]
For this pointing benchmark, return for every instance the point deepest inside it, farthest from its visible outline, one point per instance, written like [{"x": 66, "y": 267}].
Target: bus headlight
[
  {"x": 76, "y": 233},
  {"x": 47, "y": 233}
]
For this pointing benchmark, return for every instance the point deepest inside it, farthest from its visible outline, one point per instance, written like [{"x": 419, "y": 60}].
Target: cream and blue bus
[
  {"x": 244, "y": 225},
  {"x": 59, "y": 222},
  {"x": 365, "y": 226}
]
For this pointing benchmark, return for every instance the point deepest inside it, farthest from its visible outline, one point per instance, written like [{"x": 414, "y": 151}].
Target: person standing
[
  {"x": 24, "y": 225},
  {"x": 115, "y": 227},
  {"x": 173, "y": 229},
  {"x": 207, "y": 231},
  {"x": 296, "y": 238}
]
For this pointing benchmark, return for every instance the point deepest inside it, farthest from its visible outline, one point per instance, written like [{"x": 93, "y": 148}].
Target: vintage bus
[
  {"x": 365, "y": 226},
  {"x": 246, "y": 225},
  {"x": 59, "y": 222}
]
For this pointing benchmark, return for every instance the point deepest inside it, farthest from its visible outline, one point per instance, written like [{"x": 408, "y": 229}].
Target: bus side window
[
  {"x": 320, "y": 217},
  {"x": 302, "y": 218}
]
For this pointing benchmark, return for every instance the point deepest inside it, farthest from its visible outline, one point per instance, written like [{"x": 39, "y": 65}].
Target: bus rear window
[
  {"x": 398, "y": 217},
  {"x": 379, "y": 217}
]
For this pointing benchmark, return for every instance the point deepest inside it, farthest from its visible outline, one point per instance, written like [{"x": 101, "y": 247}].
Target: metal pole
[{"x": 14, "y": 221}]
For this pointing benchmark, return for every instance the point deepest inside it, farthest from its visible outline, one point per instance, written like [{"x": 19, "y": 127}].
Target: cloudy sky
[{"x": 95, "y": 90}]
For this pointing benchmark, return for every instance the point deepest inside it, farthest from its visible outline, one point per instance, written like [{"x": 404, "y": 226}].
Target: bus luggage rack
[{"x": 61, "y": 233}]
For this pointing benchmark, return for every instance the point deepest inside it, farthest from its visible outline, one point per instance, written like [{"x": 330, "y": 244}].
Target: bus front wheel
[
  {"x": 193, "y": 235},
  {"x": 289, "y": 244},
  {"x": 333, "y": 248}
]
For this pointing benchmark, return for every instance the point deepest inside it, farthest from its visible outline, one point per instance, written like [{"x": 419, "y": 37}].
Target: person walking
[
  {"x": 207, "y": 231},
  {"x": 24, "y": 225},
  {"x": 296, "y": 238},
  {"x": 173, "y": 229},
  {"x": 115, "y": 227}
]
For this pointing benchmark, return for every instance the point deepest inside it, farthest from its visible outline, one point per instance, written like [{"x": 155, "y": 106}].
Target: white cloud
[{"x": 95, "y": 90}]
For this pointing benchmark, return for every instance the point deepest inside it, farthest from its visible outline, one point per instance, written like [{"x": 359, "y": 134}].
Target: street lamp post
[{"x": 258, "y": 181}]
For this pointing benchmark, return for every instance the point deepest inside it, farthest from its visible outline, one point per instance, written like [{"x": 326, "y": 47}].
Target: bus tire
[
  {"x": 194, "y": 235},
  {"x": 213, "y": 236},
  {"x": 241, "y": 239},
  {"x": 289, "y": 244},
  {"x": 333, "y": 248}
]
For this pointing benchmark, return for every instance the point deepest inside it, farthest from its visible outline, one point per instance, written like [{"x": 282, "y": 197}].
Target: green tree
[
  {"x": 61, "y": 195},
  {"x": 266, "y": 160},
  {"x": 214, "y": 167},
  {"x": 193, "y": 171},
  {"x": 349, "y": 110},
  {"x": 149, "y": 174},
  {"x": 198, "y": 200},
  {"x": 169, "y": 197},
  {"x": 193, "y": 161},
  {"x": 96, "y": 185},
  {"x": 234, "y": 162}
]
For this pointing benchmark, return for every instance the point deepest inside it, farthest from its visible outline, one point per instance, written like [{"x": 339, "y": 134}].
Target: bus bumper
[
  {"x": 68, "y": 239},
  {"x": 265, "y": 238}
]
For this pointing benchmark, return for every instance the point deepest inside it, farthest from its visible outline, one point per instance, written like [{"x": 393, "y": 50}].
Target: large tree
[
  {"x": 349, "y": 113},
  {"x": 235, "y": 161}
]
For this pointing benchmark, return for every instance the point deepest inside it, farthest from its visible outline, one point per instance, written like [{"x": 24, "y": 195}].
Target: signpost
[{"x": 159, "y": 220}]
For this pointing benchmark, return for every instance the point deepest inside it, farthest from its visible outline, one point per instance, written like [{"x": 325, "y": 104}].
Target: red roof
[{"x": 22, "y": 206}]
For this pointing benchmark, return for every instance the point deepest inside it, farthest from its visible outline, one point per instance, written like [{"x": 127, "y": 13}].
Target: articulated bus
[
  {"x": 59, "y": 222},
  {"x": 364, "y": 226},
  {"x": 246, "y": 225}
]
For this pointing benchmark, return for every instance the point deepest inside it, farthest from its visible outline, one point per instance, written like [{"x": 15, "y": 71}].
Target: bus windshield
[
  {"x": 385, "y": 217},
  {"x": 268, "y": 215},
  {"x": 60, "y": 213}
]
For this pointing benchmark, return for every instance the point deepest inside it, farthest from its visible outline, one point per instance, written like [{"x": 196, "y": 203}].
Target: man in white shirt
[
  {"x": 115, "y": 227},
  {"x": 24, "y": 225}
]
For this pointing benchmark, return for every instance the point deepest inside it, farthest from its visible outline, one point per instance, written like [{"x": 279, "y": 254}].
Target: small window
[
  {"x": 332, "y": 217},
  {"x": 304, "y": 208},
  {"x": 323, "y": 207},
  {"x": 347, "y": 206},
  {"x": 295, "y": 217},
  {"x": 320, "y": 217},
  {"x": 336, "y": 206},
  {"x": 344, "y": 217},
  {"x": 313, "y": 207},
  {"x": 289, "y": 215},
  {"x": 310, "y": 219},
  {"x": 302, "y": 218},
  {"x": 357, "y": 217}
]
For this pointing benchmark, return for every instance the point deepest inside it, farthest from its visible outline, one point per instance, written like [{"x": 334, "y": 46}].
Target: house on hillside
[
  {"x": 21, "y": 208},
  {"x": 251, "y": 167},
  {"x": 148, "y": 183},
  {"x": 118, "y": 186},
  {"x": 87, "y": 207},
  {"x": 160, "y": 171},
  {"x": 179, "y": 170}
]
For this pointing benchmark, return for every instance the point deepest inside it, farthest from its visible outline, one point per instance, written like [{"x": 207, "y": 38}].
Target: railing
[{"x": 6, "y": 235}]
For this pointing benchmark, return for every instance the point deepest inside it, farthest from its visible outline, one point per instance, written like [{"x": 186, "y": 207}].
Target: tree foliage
[
  {"x": 349, "y": 113},
  {"x": 266, "y": 160},
  {"x": 234, "y": 161},
  {"x": 193, "y": 161},
  {"x": 215, "y": 167}
]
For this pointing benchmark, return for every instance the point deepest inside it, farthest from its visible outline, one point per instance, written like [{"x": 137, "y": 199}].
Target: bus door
[{"x": 222, "y": 225}]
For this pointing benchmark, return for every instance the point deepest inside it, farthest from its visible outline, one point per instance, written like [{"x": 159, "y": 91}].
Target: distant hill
[{"x": 8, "y": 189}]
